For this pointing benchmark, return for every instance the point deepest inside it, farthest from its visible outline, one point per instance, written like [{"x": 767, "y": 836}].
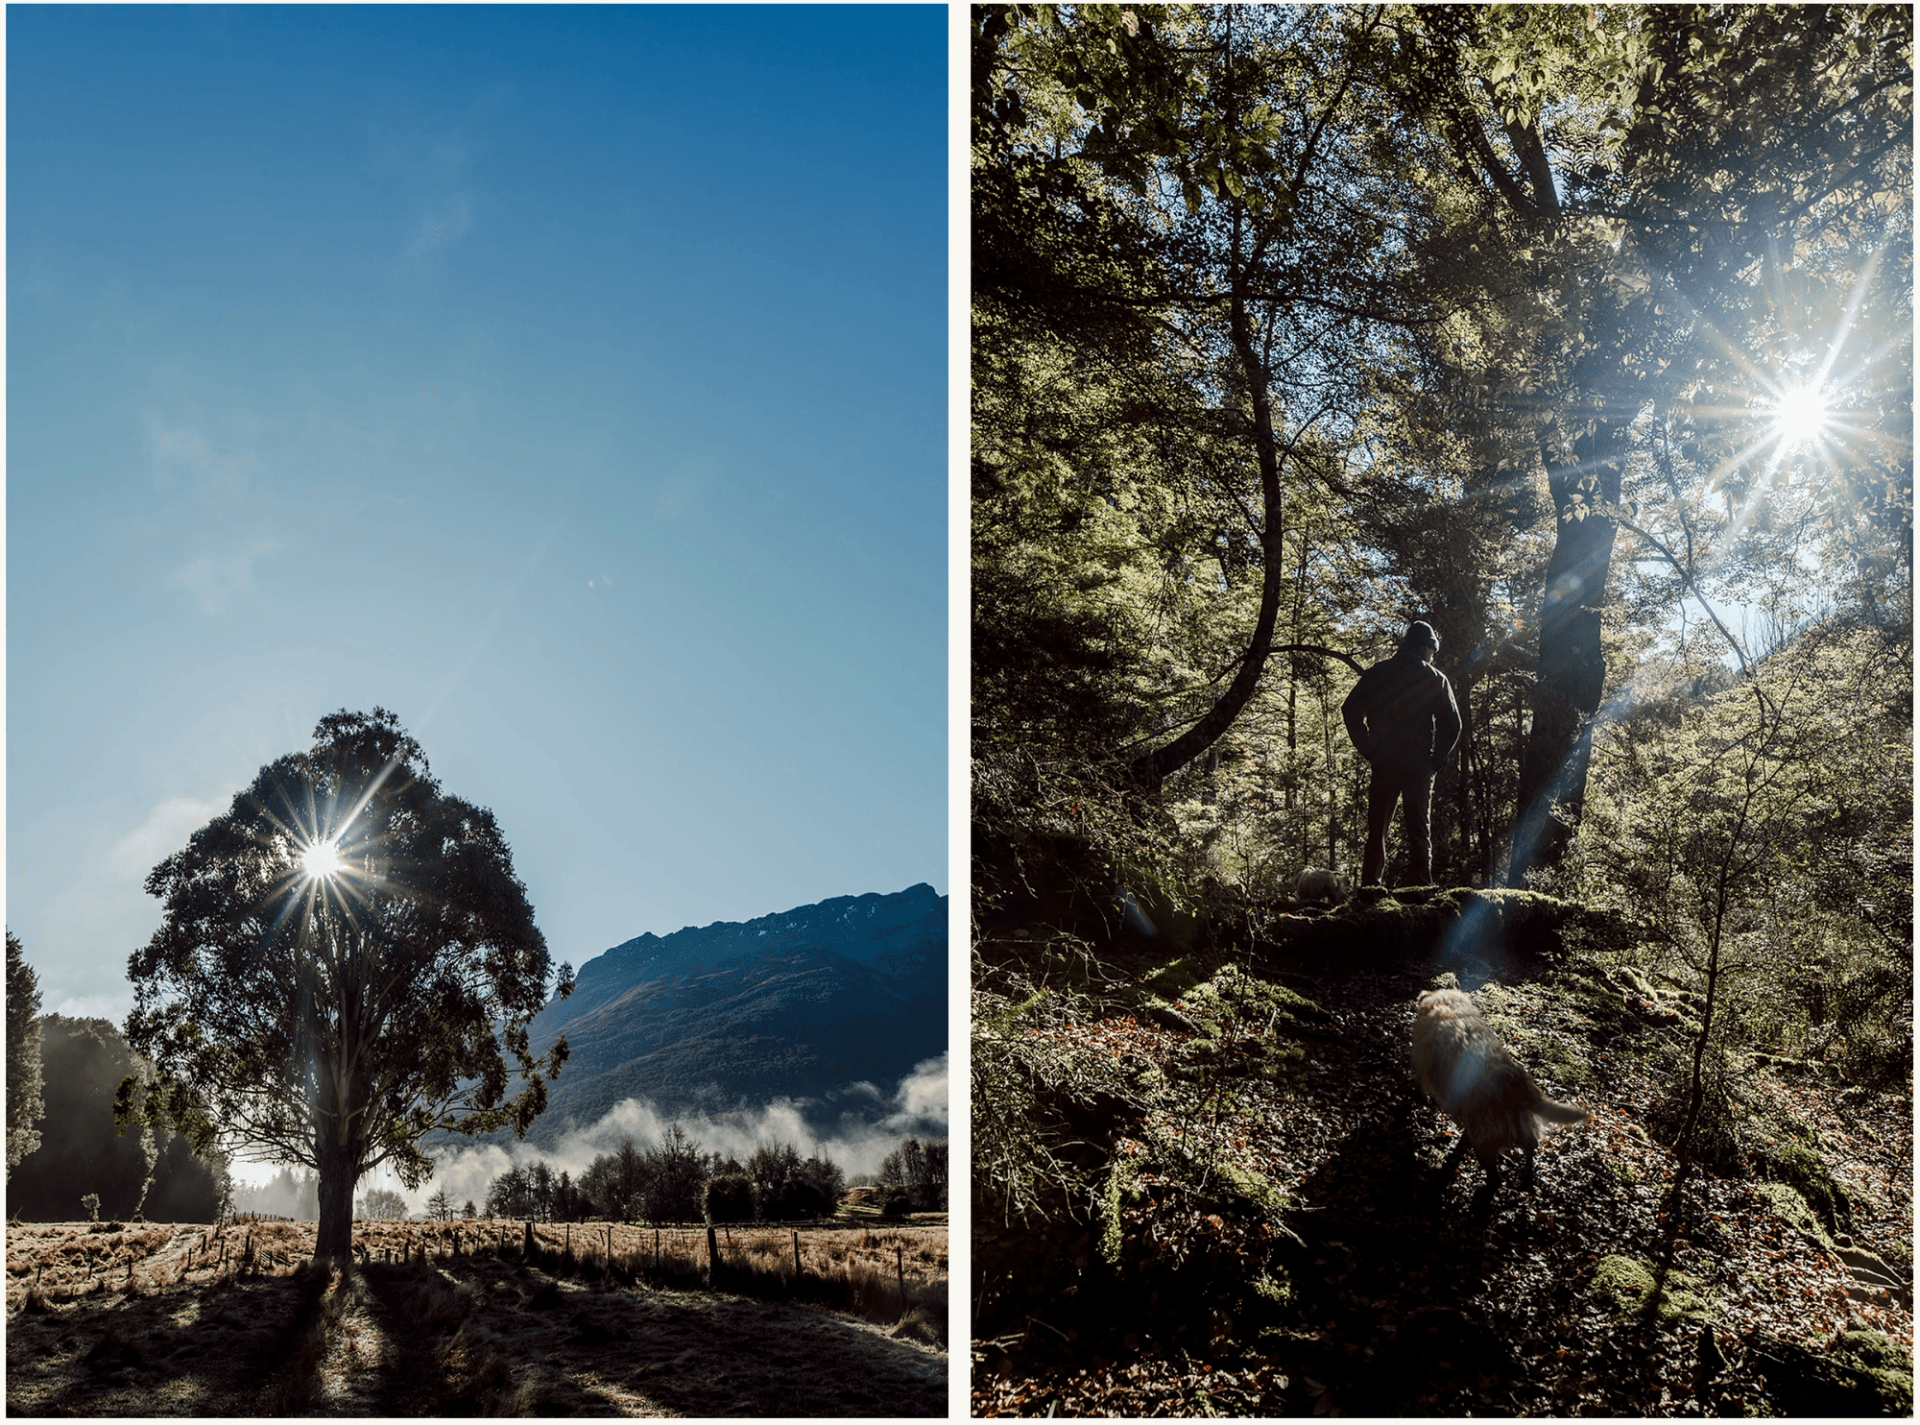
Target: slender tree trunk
[
  {"x": 1461, "y": 770},
  {"x": 1572, "y": 669},
  {"x": 1154, "y": 766}
]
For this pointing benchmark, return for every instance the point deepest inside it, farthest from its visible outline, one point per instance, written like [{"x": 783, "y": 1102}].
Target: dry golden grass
[{"x": 202, "y": 1329}]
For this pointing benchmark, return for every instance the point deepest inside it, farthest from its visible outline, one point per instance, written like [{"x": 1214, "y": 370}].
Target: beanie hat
[{"x": 1420, "y": 634}]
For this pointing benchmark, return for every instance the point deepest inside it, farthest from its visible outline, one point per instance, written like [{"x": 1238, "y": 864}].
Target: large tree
[
  {"x": 1644, "y": 197},
  {"x": 24, "y": 1105},
  {"x": 347, "y": 962}
]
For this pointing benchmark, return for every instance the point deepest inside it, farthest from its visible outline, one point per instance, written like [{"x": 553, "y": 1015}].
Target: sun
[
  {"x": 1800, "y": 415},
  {"x": 322, "y": 859}
]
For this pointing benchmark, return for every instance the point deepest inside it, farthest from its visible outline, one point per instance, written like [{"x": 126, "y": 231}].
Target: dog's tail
[{"x": 1554, "y": 1113}]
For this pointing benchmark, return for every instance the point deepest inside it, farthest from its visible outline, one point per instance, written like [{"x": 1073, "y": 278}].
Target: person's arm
[
  {"x": 1446, "y": 720},
  {"x": 1354, "y": 713}
]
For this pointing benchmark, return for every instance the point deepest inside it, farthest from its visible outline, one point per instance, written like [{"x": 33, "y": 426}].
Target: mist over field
[{"x": 858, "y": 1142}]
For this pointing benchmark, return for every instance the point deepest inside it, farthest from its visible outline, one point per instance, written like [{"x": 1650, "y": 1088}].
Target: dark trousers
[{"x": 1388, "y": 786}]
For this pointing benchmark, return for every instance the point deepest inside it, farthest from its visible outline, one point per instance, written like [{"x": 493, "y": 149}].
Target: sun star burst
[
  {"x": 1800, "y": 415},
  {"x": 321, "y": 860}
]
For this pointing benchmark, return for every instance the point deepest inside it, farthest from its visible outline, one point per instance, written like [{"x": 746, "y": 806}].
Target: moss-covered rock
[
  {"x": 1257, "y": 1189},
  {"x": 1856, "y": 1373},
  {"x": 1276, "y": 1014},
  {"x": 1629, "y": 1287},
  {"x": 1446, "y": 927},
  {"x": 1788, "y": 1203},
  {"x": 1172, "y": 980},
  {"x": 1792, "y": 1159}
]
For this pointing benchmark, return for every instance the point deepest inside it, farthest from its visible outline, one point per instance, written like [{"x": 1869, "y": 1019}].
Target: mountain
[{"x": 806, "y": 1004}]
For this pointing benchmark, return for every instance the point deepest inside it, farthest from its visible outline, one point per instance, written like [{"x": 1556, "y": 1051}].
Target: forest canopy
[{"x": 1583, "y": 334}]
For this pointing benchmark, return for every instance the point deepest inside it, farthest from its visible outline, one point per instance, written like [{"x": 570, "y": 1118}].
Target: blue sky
[{"x": 571, "y": 382}]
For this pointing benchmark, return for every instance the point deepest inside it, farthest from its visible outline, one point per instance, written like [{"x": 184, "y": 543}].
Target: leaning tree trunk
[
  {"x": 1572, "y": 668},
  {"x": 1150, "y": 769}
]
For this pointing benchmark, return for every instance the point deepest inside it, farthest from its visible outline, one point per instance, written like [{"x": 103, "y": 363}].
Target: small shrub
[{"x": 918, "y": 1325}]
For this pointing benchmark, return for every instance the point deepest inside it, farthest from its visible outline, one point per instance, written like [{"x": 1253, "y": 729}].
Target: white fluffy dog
[{"x": 1461, "y": 1064}]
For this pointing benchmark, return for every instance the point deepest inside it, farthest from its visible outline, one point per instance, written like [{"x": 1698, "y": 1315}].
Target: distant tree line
[
  {"x": 673, "y": 1180},
  {"x": 285, "y": 1194},
  {"x": 917, "y": 1172},
  {"x": 380, "y": 1204},
  {"x": 69, "y": 1149}
]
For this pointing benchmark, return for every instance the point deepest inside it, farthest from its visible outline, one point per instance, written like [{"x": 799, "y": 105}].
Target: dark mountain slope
[{"x": 807, "y": 1004}]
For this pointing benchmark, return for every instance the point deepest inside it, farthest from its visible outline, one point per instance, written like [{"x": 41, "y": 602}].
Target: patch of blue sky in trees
[{"x": 570, "y": 381}]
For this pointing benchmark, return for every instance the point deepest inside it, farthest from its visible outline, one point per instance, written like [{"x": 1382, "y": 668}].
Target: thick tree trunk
[
  {"x": 333, "y": 1238},
  {"x": 1573, "y": 669}
]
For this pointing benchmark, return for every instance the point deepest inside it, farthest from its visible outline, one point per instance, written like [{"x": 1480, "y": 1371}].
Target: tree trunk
[
  {"x": 333, "y": 1237},
  {"x": 1572, "y": 668},
  {"x": 1149, "y": 770}
]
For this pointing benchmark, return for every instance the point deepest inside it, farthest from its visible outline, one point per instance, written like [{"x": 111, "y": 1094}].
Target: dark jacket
[{"x": 1401, "y": 714}]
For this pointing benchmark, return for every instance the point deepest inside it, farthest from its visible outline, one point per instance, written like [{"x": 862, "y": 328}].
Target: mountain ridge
[{"x": 826, "y": 1006}]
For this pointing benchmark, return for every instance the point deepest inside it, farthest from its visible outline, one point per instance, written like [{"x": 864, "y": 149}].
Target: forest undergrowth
[{"x": 1241, "y": 1209}]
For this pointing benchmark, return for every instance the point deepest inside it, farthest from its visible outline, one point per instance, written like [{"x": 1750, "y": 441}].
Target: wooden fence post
[
  {"x": 713, "y": 1255},
  {"x": 900, "y": 1265},
  {"x": 796, "y": 1252}
]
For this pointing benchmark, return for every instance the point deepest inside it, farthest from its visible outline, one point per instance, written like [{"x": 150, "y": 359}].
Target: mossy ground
[{"x": 1280, "y": 1218}]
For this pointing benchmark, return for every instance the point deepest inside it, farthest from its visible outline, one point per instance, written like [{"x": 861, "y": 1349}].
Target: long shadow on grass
[
  {"x": 485, "y": 1335},
  {"x": 115, "y": 1354}
]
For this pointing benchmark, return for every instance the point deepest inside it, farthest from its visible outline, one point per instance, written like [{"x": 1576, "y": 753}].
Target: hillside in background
[{"x": 806, "y": 1004}]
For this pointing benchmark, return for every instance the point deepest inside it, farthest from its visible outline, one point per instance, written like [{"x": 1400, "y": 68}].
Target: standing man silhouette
[{"x": 1402, "y": 717}]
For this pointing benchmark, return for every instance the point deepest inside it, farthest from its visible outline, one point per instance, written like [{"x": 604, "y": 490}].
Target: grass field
[{"x": 233, "y": 1320}]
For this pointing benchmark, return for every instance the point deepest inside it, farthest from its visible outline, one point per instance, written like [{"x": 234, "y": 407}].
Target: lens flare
[
  {"x": 1800, "y": 416},
  {"x": 322, "y": 859}
]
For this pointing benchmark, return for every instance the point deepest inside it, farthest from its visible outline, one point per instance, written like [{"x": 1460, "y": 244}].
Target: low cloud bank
[{"x": 857, "y": 1140}]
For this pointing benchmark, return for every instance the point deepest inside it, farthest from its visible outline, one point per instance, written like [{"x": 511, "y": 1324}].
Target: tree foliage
[
  {"x": 1655, "y": 220},
  {"x": 333, "y": 1018},
  {"x": 788, "y": 1188},
  {"x": 24, "y": 1103},
  {"x": 919, "y": 1170},
  {"x": 728, "y": 1195},
  {"x": 1763, "y": 836},
  {"x": 1291, "y": 325},
  {"x": 382, "y": 1205},
  {"x": 153, "y": 1172}
]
